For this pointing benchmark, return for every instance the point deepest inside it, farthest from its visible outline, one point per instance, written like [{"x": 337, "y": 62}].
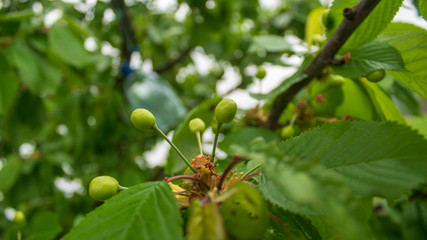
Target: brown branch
[
  {"x": 353, "y": 17},
  {"x": 169, "y": 65}
]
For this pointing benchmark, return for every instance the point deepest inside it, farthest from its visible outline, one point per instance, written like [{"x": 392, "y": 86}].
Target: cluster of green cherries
[{"x": 102, "y": 188}]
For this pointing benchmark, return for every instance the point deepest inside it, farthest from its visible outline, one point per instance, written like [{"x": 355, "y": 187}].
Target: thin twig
[
  {"x": 353, "y": 17},
  {"x": 236, "y": 159}
]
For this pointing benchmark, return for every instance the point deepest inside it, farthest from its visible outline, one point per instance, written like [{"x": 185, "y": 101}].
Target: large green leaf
[
  {"x": 376, "y": 158},
  {"x": 419, "y": 124},
  {"x": 411, "y": 41},
  {"x": 69, "y": 46},
  {"x": 307, "y": 188},
  {"x": 383, "y": 103},
  {"x": 185, "y": 140},
  {"x": 44, "y": 226},
  {"x": 415, "y": 220},
  {"x": 369, "y": 57},
  {"x": 144, "y": 211},
  {"x": 10, "y": 173},
  {"x": 9, "y": 83},
  {"x": 370, "y": 28},
  {"x": 423, "y": 8}
]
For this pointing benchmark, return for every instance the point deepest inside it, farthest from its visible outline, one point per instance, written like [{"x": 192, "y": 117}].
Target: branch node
[{"x": 349, "y": 13}]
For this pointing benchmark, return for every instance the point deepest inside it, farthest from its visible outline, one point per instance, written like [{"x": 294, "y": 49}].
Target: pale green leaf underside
[
  {"x": 411, "y": 41},
  {"x": 371, "y": 27},
  {"x": 369, "y": 57},
  {"x": 271, "y": 43},
  {"x": 385, "y": 159},
  {"x": 144, "y": 211}
]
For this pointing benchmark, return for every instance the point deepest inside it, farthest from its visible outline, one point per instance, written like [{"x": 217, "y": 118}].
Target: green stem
[
  {"x": 215, "y": 141},
  {"x": 251, "y": 170},
  {"x": 122, "y": 188},
  {"x": 176, "y": 149},
  {"x": 199, "y": 141}
]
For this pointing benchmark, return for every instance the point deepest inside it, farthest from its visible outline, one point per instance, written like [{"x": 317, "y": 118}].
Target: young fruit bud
[
  {"x": 197, "y": 125},
  {"x": 336, "y": 80},
  {"x": 261, "y": 72},
  {"x": 103, "y": 187},
  {"x": 376, "y": 76},
  {"x": 245, "y": 213},
  {"x": 287, "y": 132},
  {"x": 225, "y": 111},
  {"x": 19, "y": 217},
  {"x": 142, "y": 119}
]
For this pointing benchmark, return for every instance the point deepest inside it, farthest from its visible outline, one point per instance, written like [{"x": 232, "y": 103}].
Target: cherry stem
[
  {"x": 199, "y": 141},
  {"x": 176, "y": 149},
  {"x": 250, "y": 176},
  {"x": 170, "y": 179},
  {"x": 215, "y": 141},
  {"x": 251, "y": 170},
  {"x": 236, "y": 159},
  {"x": 122, "y": 188}
]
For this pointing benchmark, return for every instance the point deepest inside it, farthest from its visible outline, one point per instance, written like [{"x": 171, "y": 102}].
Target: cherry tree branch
[{"x": 353, "y": 17}]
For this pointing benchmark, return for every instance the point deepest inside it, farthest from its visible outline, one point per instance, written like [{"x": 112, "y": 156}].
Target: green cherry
[
  {"x": 142, "y": 119},
  {"x": 376, "y": 76},
  {"x": 336, "y": 80},
  {"x": 197, "y": 125},
  {"x": 103, "y": 187},
  {"x": 19, "y": 217},
  {"x": 287, "y": 132},
  {"x": 225, "y": 111},
  {"x": 261, "y": 72}
]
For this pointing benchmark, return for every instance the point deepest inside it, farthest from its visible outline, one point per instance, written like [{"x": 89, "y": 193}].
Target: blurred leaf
[
  {"x": 244, "y": 136},
  {"x": 314, "y": 25},
  {"x": 369, "y": 57},
  {"x": 419, "y": 124},
  {"x": 356, "y": 102},
  {"x": 44, "y": 226},
  {"x": 206, "y": 223},
  {"x": 404, "y": 99},
  {"x": 371, "y": 27},
  {"x": 376, "y": 159},
  {"x": 415, "y": 220},
  {"x": 9, "y": 84},
  {"x": 17, "y": 15},
  {"x": 144, "y": 211},
  {"x": 185, "y": 140},
  {"x": 423, "y": 8},
  {"x": 38, "y": 74},
  {"x": 411, "y": 42},
  {"x": 383, "y": 103},
  {"x": 69, "y": 46},
  {"x": 271, "y": 43},
  {"x": 10, "y": 173}
]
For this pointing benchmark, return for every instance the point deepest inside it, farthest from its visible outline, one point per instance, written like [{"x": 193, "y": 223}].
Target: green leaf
[
  {"x": 185, "y": 140},
  {"x": 310, "y": 189},
  {"x": 383, "y": 103},
  {"x": 9, "y": 84},
  {"x": 423, "y": 8},
  {"x": 69, "y": 46},
  {"x": 271, "y": 43},
  {"x": 44, "y": 226},
  {"x": 415, "y": 220},
  {"x": 38, "y": 74},
  {"x": 206, "y": 223},
  {"x": 371, "y": 27},
  {"x": 10, "y": 173},
  {"x": 419, "y": 124},
  {"x": 17, "y": 15},
  {"x": 412, "y": 45},
  {"x": 369, "y": 57},
  {"x": 243, "y": 136},
  {"x": 377, "y": 159},
  {"x": 144, "y": 211}
]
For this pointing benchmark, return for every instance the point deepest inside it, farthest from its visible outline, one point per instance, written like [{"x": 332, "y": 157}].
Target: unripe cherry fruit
[
  {"x": 287, "y": 132},
  {"x": 197, "y": 125},
  {"x": 376, "y": 76},
  {"x": 142, "y": 119},
  {"x": 261, "y": 72},
  {"x": 103, "y": 187},
  {"x": 245, "y": 213},
  {"x": 19, "y": 217},
  {"x": 336, "y": 80},
  {"x": 225, "y": 111}
]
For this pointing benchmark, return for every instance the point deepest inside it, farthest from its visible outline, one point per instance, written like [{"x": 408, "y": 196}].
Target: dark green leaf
[
  {"x": 369, "y": 57},
  {"x": 415, "y": 220},
  {"x": 8, "y": 89},
  {"x": 44, "y": 226},
  {"x": 371, "y": 27},
  {"x": 423, "y": 8},
  {"x": 384, "y": 159},
  {"x": 10, "y": 173},
  {"x": 17, "y": 15},
  {"x": 144, "y": 211}
]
